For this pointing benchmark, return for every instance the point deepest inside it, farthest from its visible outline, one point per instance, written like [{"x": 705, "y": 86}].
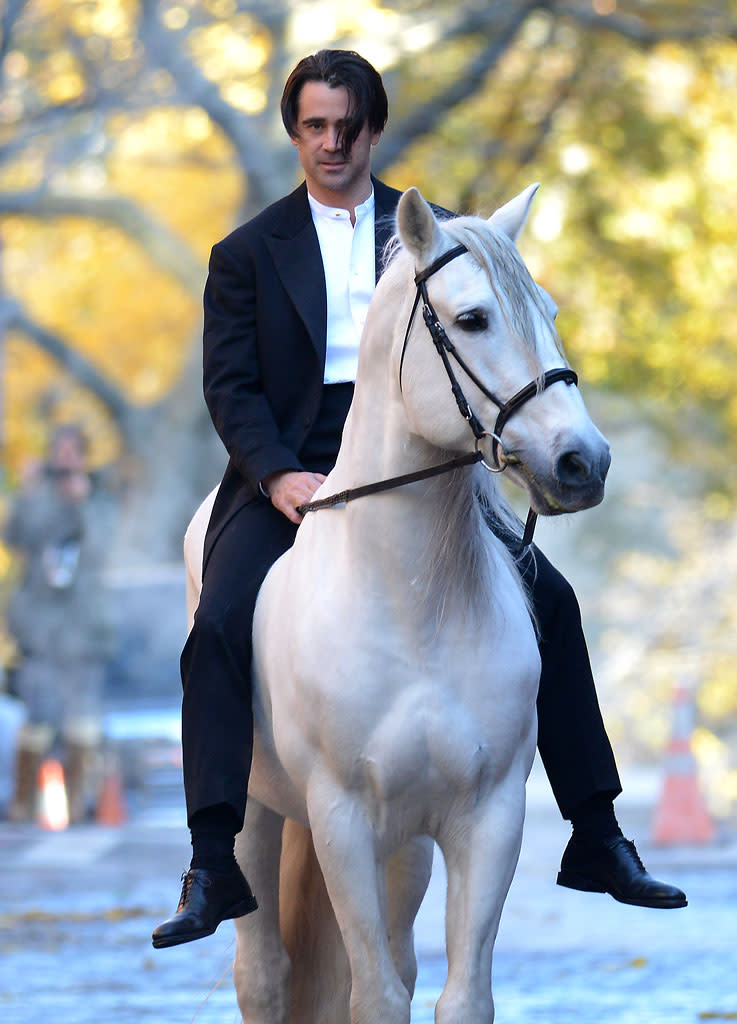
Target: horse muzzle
[{"x": 573, "y": 479}]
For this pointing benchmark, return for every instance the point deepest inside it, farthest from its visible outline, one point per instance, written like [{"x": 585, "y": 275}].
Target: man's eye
[{"x": 472, "y": 321}]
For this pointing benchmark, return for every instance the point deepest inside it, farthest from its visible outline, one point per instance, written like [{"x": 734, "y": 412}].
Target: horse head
[{"x": 496, "y": 345}]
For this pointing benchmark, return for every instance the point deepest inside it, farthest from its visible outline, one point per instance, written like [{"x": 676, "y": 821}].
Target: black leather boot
[
  {"x": 614, "y": 866},
  {"x": 208, "y": 897}
]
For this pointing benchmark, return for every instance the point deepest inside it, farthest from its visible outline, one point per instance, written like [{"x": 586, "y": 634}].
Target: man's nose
[{"x": 332, "y": 139}]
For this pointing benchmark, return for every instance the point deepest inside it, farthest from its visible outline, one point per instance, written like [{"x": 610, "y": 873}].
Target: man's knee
[
  {"x": 221, "y": 630},
  {"x": 226, "y": 614}
]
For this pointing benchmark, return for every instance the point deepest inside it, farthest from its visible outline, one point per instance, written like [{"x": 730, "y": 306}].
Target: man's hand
[{"x": 289, "y": 488}]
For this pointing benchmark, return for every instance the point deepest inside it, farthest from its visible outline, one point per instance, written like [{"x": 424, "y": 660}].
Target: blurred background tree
[{"x": 135, "y": 133}]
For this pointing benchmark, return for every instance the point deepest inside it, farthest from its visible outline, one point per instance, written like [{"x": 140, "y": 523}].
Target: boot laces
[
  {"x": 186, "y": 881},
  {"x": 635, "y": 855}
]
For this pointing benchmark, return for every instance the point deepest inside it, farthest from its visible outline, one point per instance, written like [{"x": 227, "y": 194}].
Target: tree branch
[
  {"x": 167, "y": 249},
  {"x": 7, "y": 22},
  {"x": 709, "y": 22},
  {"x": 525, "y": 154},
  {"x": 425, "y": 118},
  {"x": 75, "y": 364},
  {"x": 167, "y": 48}
]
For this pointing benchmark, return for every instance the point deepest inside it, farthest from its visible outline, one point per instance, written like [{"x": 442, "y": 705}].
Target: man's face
[
  {"x": 67, "y": 453},
  {"x": 332, "y": 178}
]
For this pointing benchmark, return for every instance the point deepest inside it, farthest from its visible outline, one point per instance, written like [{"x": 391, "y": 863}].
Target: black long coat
[{"x": 264, "y": 342}]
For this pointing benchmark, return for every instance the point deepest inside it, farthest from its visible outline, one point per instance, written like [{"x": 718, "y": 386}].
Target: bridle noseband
[{"x": 446, "y": 349}]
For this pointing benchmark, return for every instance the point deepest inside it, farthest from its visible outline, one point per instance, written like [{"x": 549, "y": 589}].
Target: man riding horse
[{"x": 285, "y": 302}]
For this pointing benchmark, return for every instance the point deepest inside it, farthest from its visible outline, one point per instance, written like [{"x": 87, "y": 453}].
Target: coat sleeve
[{"x": 232, "y": 378}]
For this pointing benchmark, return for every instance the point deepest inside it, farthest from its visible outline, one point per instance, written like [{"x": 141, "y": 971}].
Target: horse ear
[
  {"x": 417, "y": 227},
  {"x": 511, "y": 217}
]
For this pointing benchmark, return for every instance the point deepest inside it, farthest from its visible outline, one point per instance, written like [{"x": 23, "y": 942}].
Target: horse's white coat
[{"x": 396, "y": 702}]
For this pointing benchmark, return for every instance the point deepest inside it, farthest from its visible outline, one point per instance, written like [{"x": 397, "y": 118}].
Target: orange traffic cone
[
  {"x": 681, "y": 815},
  {"x": 53, "y": 809},
  {"x": 111, "y": 809}
]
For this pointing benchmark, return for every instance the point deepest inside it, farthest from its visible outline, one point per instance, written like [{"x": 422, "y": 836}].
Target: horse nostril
[{"x": 573, "y": 469}]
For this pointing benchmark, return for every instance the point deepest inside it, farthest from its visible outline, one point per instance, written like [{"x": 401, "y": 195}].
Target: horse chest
[
  {"x": 407, "y": 716},
  {"x": 462, "y": 719},
  {"x": 413, "y": 732}
]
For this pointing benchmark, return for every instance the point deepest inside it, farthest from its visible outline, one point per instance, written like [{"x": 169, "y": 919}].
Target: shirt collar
[{"x": 337, "y": 213}]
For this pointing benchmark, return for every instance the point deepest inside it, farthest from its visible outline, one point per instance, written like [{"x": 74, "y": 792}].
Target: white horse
[{"x": 395, "y": 660}]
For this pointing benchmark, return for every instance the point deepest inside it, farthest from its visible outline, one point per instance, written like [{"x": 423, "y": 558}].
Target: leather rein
[{"x": 447, "y": 350}]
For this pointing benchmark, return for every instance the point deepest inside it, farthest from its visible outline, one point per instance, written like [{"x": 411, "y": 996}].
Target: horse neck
[
  {"x": 426, "y": 538},
  {"x": 377, "y": 442}
]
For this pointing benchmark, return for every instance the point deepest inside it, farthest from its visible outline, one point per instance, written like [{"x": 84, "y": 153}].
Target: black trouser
[
  {"x": 571, "y": 737},
  {"x": 217, "y": 721}
]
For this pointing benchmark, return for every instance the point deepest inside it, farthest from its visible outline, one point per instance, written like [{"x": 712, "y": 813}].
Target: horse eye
[{"x": 472, "y": 321}]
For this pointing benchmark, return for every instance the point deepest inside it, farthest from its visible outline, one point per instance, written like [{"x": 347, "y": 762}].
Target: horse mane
[
  {"x": 510, "y": 280},
  {"x": 456, "y": 574},
  {"x": 456, "y": 570}
]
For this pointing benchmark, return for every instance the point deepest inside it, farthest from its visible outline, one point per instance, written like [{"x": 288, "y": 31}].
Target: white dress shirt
[{"x": 349, "y": 260}]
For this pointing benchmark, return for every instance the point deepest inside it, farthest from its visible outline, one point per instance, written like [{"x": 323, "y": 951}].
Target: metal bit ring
[{"x": 500, "y": 467}]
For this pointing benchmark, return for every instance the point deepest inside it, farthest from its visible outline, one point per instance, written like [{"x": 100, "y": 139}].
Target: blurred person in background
[{"x": 58, "y": 525}]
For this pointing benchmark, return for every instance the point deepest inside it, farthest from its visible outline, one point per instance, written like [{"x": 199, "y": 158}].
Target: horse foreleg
[
  {"x": 481, "y": 852},
  {"x": 407, "y": 877},
  {"x": 261, "y": 968},
  {"x": 356, "y": 883}
]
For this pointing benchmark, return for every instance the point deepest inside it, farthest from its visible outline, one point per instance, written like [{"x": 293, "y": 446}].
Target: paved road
[{"x": 77, "y": 908}]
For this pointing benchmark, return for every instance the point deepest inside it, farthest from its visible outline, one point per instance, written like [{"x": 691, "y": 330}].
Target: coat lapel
[
  {"x": 295, "y": 251},
  {"x": 385, "y": 206}
]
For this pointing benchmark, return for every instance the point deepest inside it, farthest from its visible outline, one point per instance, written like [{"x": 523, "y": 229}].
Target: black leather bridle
[{"x": 447, "y": 350}]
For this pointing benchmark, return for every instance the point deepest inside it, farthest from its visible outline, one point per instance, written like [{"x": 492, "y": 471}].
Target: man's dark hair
[{"x": 367, "y": 102}]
